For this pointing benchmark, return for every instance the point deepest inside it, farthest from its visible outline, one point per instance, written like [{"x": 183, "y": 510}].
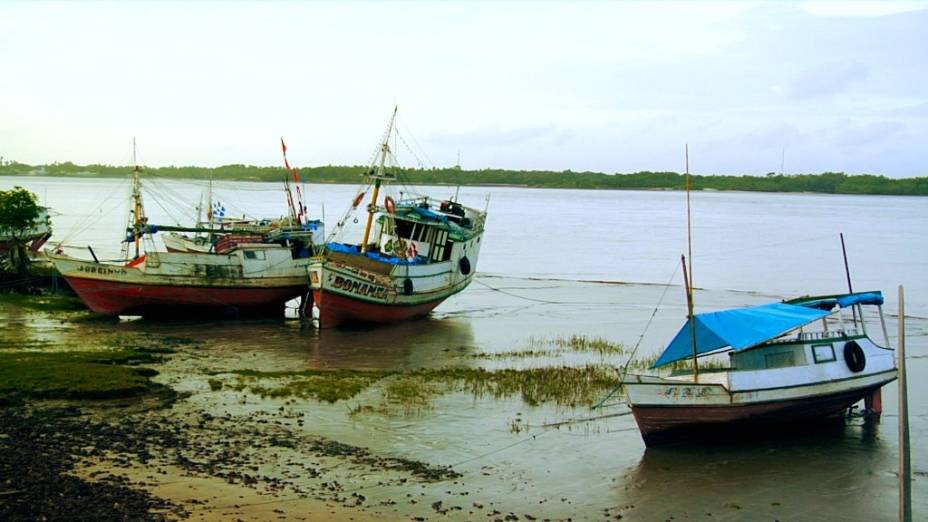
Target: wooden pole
[
  {"x": 847, "y": 272},
  {"x": 692, "y": 320},
  {"x": 689, "y": 214},
  {"x": 905, "y": 465}
]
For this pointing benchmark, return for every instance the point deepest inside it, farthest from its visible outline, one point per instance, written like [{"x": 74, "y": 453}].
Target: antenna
[{"x": 782, "y": 159}]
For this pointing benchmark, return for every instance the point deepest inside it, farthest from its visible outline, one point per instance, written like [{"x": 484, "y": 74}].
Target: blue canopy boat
[{"x": 802, "y": 359}]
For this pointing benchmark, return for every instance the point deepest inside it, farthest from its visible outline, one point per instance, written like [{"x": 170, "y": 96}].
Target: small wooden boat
[
  {"x": 415, "y": 253},
  {"x": 781, "y": 370}
]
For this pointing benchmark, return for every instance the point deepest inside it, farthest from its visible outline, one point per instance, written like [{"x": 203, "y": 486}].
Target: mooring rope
[{"x": 631, "y": 356}]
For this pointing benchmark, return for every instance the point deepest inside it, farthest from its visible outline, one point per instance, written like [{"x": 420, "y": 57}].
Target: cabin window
[
  {"x": 438, "y": 250},
  {"x": 823, "y": 353},
  {"x": 446, "y": 255},
  {"x": 254, "y": 254},
  {"x": 779, "y": 360},
  {"x": 403, "y": 228}
]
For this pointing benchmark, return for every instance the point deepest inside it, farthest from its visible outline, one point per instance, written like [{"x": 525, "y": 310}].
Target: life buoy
[
  {"x": 854, "y": 357},
  {"x": 407, "y": 286},
  {"x": 464, "y": 265},
  {"x": 390, "y": 204}
]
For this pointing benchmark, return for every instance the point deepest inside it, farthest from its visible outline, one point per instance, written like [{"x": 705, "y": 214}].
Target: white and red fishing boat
[
  {"x": 788, "y": 362},
  {"x": 414, "y": 253},
  {"x": 242, "y": 273}
]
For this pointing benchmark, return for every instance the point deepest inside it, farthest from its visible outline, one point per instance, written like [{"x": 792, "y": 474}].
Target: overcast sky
[{"x": 611, "y": 87}]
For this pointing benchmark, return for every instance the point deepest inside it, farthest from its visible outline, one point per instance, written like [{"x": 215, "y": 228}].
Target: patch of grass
[
  {"x": 323, "y": 385},
  {"x": 562, "y": 386},
  {"x": 516, "y": 355},
  {"x": 75, "y": 375},
  {"x": 580, "y": 343},
  {"x": 215, "y": 384}
]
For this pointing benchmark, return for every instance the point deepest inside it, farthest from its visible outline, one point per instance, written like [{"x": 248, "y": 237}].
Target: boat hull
[
  {"x": 664, "y": 423},
  {"x": 338, "y": 310},
  {"x": 189, "y": 284},
  {"x": 116, "y": 298}
]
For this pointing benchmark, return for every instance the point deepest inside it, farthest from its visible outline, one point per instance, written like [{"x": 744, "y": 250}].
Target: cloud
[
  {"x": 867, "y": 134},
  {"x": 822, "y": 81}
]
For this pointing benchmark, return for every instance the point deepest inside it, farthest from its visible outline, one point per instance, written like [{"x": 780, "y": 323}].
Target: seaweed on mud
[
  {"x": 77, "y": 374},
  {"x": 542, "y": 347},
  {"x": 563, "y": 386},
  {"x": 322, "y": 385}
]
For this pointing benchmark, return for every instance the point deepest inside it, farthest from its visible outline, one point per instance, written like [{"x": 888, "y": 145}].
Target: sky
[{"x": 600, "y": 86}]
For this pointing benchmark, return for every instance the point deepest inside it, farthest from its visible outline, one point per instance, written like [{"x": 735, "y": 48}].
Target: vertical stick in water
[
  {"x": 847, "y": 272},
  {"x": 688, "y": 284},
  {"x": 905, "y": 467},
  {"x": 689, "y": 215}
]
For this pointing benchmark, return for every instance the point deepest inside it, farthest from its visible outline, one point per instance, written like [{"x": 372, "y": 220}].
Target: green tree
[{"x": 19, "y": 214}]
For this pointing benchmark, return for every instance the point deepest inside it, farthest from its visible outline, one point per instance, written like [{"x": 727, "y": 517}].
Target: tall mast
[
  {"x": 689, "y": 214},
  {"x": 688, "y": 274},
  {"x": 378, "y": 176},
  {"x": 137, "y": 211}
]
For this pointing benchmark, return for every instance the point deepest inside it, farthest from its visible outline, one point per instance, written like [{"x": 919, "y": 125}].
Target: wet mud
[{"x": 482, "y": 412}]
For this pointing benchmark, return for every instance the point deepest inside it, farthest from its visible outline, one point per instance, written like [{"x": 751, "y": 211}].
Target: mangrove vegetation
[{"x": 825, "y": 183}]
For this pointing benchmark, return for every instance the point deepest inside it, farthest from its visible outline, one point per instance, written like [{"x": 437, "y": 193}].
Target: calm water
[
  {"x": 749, "y": 248},
  {"x": 780, "y": 244}
]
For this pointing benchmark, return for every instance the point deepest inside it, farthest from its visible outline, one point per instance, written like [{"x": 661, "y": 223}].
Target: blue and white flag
[{"x": 219, "y": 211}]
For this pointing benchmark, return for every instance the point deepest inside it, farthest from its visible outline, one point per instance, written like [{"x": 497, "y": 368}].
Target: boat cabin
[
  {"x": 800, "y": 332},
  {"x": 416, "y": 232}
]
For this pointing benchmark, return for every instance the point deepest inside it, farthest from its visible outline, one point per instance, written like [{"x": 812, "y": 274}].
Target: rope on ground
[{"x": 517, "y": 296}]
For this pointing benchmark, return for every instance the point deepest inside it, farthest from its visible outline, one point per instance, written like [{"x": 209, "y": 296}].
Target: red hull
[
  {"x": 112, "y": 298},
  {"x": 335, "y": 310},
  {"x": 672, "y": 423}
]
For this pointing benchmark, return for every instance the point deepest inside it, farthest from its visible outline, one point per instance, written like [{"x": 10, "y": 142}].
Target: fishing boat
[
  {"x": 805, "y": 359},
  {"x": 245, "y": 271},
  {"x": 414, "y": 253}
]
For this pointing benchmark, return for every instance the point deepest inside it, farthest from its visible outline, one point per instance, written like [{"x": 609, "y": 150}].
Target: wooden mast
[
  {"x": 692, "y": 319},
  {"x": 688, "y": 278},
  {"x": 137, "y": 202},
  {"x": 378, "y": 176}
]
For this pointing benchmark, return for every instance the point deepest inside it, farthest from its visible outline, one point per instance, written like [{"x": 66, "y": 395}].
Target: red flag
[
  {"x": 296, "y": 177},
  {"x": 287, "y": 163},
  {"x": 283, "y": 146}
]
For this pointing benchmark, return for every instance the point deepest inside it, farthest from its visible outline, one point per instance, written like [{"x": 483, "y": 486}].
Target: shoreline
[{"x": 552, "y": 186}]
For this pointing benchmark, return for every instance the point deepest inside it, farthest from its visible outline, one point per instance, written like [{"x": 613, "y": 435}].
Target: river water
[{"x": 546, "y": 264}]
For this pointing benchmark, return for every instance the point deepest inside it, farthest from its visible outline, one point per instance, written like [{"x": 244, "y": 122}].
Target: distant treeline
[{"x": 826, "y": 183}]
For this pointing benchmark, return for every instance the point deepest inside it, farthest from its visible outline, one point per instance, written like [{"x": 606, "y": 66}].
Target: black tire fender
[
  {"x": 407, "y": 286},
  {"x": 464, "y": 265},
  {"x": 854, "y": 357}
]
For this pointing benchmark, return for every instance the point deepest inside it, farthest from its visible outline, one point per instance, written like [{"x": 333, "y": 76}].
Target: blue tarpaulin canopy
[
  {"x": 738, "y": 328},
  {"x": 844, "y": 301}
]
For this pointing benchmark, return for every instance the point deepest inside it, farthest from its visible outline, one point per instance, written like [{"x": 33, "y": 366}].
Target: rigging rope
[{"x": 631, "y": 356}]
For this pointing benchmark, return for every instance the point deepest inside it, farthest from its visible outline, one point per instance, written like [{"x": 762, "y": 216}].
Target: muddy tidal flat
[{"x": 481, "y": 412}]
